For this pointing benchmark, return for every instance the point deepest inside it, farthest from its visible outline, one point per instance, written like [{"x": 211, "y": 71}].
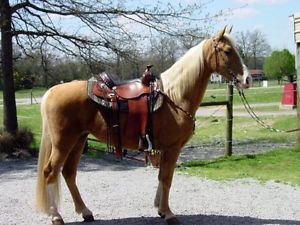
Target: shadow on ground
[
  {"x": 193, "y": 220},
  {"x": 108, "y": 163}
]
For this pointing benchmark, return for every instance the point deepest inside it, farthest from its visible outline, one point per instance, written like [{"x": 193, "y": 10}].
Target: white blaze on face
[{"x": 245, "y": 80}]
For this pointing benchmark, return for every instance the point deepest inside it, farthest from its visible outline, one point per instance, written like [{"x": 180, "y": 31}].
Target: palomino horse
[{"x": 69, "y": 116}]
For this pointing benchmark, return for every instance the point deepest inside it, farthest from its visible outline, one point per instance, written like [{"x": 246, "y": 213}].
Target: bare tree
[
  {"x": 91, "y": 29},
  {"x": 253, "y": 46},
  {"x": 243, "y": 44},
  {"x": 163, "y": 52}
]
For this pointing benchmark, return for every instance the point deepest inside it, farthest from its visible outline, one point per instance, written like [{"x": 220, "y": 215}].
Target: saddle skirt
[{"x": 103, "y": 93}]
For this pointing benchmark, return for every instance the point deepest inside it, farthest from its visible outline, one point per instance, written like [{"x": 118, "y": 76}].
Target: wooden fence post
[
  {"x": 298, "y": 90},
  {"x": 229, "y": 106}
]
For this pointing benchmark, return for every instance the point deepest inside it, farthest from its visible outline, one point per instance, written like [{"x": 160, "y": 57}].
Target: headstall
[{"x": 215, "y": 44}]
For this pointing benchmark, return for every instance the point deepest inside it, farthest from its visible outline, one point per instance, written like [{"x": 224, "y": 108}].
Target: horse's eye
[{"x": 227, "y": 51}]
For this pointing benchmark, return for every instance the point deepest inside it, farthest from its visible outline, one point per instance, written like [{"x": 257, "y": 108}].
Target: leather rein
[{"x": 189, "y": 115}]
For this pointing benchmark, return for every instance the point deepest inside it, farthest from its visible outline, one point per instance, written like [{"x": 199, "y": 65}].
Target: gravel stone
[{"x": 122, "y": 193}]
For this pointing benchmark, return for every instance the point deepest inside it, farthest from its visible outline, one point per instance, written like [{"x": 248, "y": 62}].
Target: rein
[
  {"x": 189, "y": 115},
  {"x": 254, "y": 116},
  {"x": 244, "y": 100}
]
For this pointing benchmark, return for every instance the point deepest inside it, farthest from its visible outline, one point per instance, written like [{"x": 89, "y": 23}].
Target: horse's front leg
[{"x": 167, "y": 166}]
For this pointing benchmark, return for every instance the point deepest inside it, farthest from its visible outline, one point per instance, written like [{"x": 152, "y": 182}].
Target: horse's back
[
  {"x": 68, "y": 107},
  {"x": 68, "y": 92}
]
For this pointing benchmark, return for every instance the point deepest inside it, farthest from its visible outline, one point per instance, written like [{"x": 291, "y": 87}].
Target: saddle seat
[{"x": 131, "y": 89}]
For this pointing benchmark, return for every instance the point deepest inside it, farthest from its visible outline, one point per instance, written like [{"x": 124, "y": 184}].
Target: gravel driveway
[{"x": 122, "y": 193}]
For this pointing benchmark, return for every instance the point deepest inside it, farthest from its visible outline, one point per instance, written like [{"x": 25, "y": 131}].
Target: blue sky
[{"x": 269, "y": 16}]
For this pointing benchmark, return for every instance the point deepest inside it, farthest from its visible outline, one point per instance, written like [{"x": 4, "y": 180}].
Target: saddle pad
[
  {"x": 158, "y": 101},
  {"x": 90, "y": 84}
]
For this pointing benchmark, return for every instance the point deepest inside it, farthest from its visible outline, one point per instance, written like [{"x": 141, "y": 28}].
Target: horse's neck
[
  {"x": 185, "y": 84},
  {"x": 190, "y": 96}
]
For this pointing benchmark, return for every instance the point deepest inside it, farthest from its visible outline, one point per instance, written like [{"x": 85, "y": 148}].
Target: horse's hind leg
[
  {"x": 69, "y": 172},
  {"x": 51, "y": 173},
  {"x": 61, "y": 154}
]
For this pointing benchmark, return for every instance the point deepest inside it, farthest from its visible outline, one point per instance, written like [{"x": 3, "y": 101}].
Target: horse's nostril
[{"x": 247, "y": 80}]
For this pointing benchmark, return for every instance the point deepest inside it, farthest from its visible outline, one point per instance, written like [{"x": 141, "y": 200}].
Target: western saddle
[{"x": 139, "y": 98}]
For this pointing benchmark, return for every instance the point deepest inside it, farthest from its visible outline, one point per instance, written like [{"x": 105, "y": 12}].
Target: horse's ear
[
  {"x": 228, "y": 30},
  {"x": 220, "y": 34}
]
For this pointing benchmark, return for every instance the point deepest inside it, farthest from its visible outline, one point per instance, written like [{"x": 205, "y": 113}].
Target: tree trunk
[
  {"x": 255, "y": 64},
  {"x": 10, "y": 121}
]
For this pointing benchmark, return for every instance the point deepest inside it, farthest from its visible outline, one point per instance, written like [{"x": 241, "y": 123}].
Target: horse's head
[{"x": 224, "y": 58}]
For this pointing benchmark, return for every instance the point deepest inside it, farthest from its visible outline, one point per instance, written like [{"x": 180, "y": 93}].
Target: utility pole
[{"x": 296, "y": 18}]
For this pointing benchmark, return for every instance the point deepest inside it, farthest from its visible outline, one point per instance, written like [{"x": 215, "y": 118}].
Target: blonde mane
[{"x": 183, "y": 75}]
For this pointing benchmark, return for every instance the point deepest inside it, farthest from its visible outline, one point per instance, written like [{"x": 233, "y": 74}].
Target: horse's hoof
[
  {"x": 161, "y": 215},
  {"x": 173, "y": 221},
  {"x": 58, "y": 222},
  {"x": 88, "y": 218}
]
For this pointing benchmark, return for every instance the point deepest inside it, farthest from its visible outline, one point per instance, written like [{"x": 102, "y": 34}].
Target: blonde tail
[{"x": 44, "y": 155}]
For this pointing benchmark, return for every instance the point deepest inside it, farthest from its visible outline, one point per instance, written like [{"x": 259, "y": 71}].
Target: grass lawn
[
  {"x": 215, "y": 92},
  {"x": 263, "y": 108},
  {"x": 280, "y": 165},
  {"x": 26, "y": 93},
  {"x": 245, "y": 130},
  {"x": 208, "y": 129},
  {"x": 253, "y": 95},
  {"x": 29, "y": 116}
]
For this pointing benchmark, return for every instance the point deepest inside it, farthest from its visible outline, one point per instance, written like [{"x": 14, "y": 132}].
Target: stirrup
[{"x": 145, "y": 144}]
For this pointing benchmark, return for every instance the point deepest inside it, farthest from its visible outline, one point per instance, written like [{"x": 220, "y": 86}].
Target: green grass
[
  {"x": 208, "y": 129},
  {"x": 280, "y": 165},
  {"x": 245, "y": 130},
  {"x": 97, "y": 149},
  {"x": 253, "y": 95},
  {"x": 263, "y": 108},
  {"x": 271, "y": 83},
  {"x": 26, "y": 93},
  {"x": 28, "y": 117}
]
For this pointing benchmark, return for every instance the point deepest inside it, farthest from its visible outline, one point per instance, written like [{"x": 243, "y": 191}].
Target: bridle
[
  {"x": 244, "y": 100},
  {"x": 229, "y": 70},
  {"x": 215, "y": 44}
]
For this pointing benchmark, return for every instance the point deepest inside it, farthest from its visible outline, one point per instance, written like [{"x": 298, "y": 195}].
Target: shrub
[
  {"x": 24, "y": 138},
  {"x": 6, "y": 142},
  {"x": 16, "y": 145}
]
